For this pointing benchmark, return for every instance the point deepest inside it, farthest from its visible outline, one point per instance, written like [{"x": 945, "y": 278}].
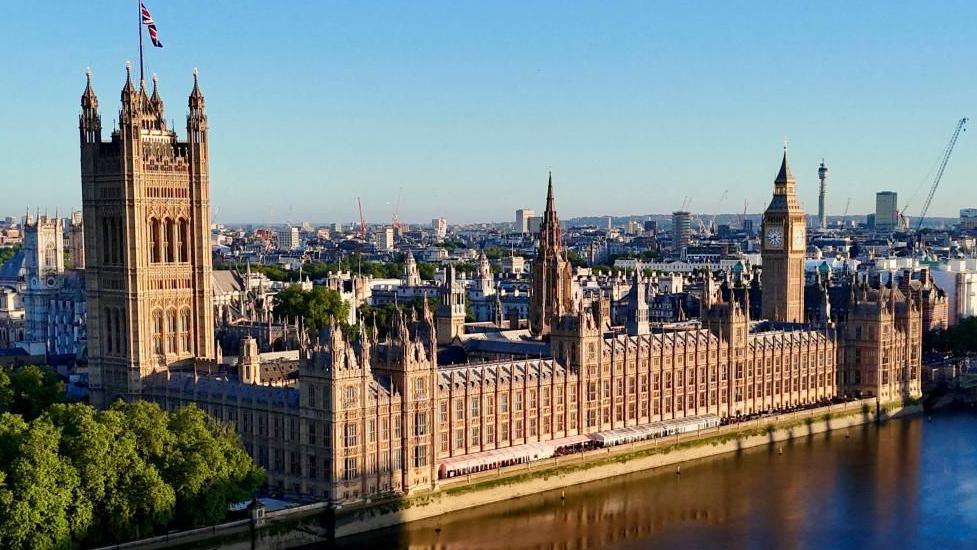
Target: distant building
[
  {"x": 651, "y": 226},
  {"x": 534, "y": 224},
  {"x": 440, "y": 227},
  {"x": 968, "y": 218},
  {"x": 522, "y": 219},
  {"x": 959, "y": 279},
  {"x": 385, "y": 239},
  {"x": 75, "y": 242},
  {"x": 886, "y": 211},
  {"x": 287, "y": 237},
  {"x": 513, "y": 264},
  {"x": 681, "y": 229}
]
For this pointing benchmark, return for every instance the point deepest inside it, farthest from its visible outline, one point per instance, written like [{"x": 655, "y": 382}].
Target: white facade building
[
  {"x": 959, "y": 279},
  {"x": 385, "y": 239},
  {"x": 522, "y": 219},
  {"x": 440, "y": 228},
  {"x": 287, "y": 237}
]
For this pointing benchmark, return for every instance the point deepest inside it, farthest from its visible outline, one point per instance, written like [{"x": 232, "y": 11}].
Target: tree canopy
[
  {"x": 28, "y": 390},
  {"x": 959, "y": 339},
  {"x": 72, "y": 476},
  {"x": 7, "y": 252},
  {"x": 317, "y": 306}
]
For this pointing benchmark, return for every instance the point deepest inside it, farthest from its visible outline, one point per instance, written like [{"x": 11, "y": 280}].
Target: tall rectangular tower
[
  {"x": 44, "y": 263},
  {"x": 146, "y": 206},
  {"x": 886, "y": 211},
  {"x": 783, "y": 246}
]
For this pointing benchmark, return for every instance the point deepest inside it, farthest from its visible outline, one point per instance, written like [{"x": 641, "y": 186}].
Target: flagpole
[{"x": 139, "y": 12}]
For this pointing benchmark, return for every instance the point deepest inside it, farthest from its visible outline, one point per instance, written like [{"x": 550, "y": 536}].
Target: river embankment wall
[
  {"x": 559, "y": 472},
  {"x": 317, "y": 522}
]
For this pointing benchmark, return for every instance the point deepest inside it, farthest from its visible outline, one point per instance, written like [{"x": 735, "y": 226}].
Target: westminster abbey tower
[{"x": 146, "y": 200}]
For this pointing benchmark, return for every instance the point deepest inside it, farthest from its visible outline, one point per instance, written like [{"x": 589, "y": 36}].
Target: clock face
[
  {"x": 799, "y": 243},
  {"x": 774, "y": 236}
]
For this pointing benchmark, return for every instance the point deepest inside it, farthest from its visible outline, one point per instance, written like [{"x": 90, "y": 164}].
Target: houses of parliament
[{"x": 373, "y": 414}]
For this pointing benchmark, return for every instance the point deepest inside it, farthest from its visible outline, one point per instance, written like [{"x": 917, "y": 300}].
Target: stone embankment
[{"x": 316, "y": 522}]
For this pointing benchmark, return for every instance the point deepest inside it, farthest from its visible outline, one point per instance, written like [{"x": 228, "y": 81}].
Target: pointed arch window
[
  {"x": 119, "y": 239},
  {"x": 183, "y": 238},
  {"x": 154, "y": 240},
  {"x": 106, "y": 244},
  {"x": 168, "y": 239},
  {"x": 171, "y": 331},
  {"x": 158, "y": 332},
  {"x": 107, "y": 333},
  {"x": 185, "y": 321}
]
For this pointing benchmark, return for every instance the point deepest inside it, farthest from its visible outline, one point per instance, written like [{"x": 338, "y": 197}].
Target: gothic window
[
  {"x": 154, "y": 240},
  {"x": 183, "y": 239},
  {"x": 158, "y": 331},
  {"x": 168, "y": 239},
  {"x": 118, "y": 239},
  {"x": 108, "y": 330},
  {"x": 50, "y": 256},
  {"x": 171, "y": 329},
  {"x": 119, "y": 328},
  {"x": 350, "y": 436},
  {"x": 185, "y": 321},
  {"x": 105, "y": 241},
  {"x": 420, "y": 423}
]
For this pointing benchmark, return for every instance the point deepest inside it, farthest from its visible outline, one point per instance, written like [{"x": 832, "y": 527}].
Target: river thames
[{"x": 906, "y": 484}]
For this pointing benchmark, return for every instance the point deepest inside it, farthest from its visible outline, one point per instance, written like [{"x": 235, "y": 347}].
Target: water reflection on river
[{"x": 907, "y": 484}]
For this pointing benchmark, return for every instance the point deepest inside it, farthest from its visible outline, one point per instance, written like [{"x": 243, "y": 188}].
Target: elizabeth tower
[
  {"x": 783, "y": 246},
  {"x": 146, "y": 200}
]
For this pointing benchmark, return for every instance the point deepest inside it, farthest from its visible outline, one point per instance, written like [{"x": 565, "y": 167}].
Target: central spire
[
  {"x": 549, "y": 194},
  {"x": 784, "y": 176},
  {"x": 551, "y": 272}
]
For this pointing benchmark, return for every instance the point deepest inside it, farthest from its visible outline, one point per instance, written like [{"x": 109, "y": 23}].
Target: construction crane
[
  {"x": 362, "y": 219},
  {"x": 961, "y": 127},
  {"x": 719, "y": 207},
  {"x": 395, "y": 220},
  {"x": 742, "y": 217}
]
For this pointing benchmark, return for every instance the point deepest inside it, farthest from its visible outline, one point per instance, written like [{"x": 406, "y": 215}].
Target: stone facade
[
  {"x": 146, "y": 213},
  {"x": 371, "y": 415},
  {"x": 783, "y": 245}
]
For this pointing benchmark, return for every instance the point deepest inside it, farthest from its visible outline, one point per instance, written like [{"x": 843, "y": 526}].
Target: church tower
[
  {"x": 782, "y": 249},
  {"x": 551, "y": 273},
  {"x": 44, "y": 263},
  {"x": 146, "y": 210}
]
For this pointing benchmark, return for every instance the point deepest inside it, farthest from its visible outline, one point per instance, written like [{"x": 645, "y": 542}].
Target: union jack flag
[{"x": 147, "y": 19}]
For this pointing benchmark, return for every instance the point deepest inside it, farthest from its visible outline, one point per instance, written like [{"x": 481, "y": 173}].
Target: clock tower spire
[{"x": 782, "y": 249}]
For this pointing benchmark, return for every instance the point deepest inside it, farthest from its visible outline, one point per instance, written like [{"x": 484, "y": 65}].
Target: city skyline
[{"x": 332, "y": 103}]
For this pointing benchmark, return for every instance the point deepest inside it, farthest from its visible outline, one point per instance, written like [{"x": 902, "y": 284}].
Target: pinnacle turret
[
  {"x": 155, "y": 101},
  {"x": 88, "y": 98},
  {"x": 128, "y": 88},
  {"x": 196, "y": 96}
]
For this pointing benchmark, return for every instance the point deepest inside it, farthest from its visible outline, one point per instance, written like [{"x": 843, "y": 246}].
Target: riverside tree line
[{"x": 73, "y": 476}]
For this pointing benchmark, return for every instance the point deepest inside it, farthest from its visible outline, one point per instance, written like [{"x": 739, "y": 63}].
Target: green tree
[
  {"x": 77, "y": 476},
  {"x": 6, "y": 392},
  {"x": 959, "y": 339},
  {"x": 40, "y": 499},
  {"x": 426, "y": 270},
  {"x": 29, "y": 390},
  {"x": 7, "y": 252},
  {"x": 207, "y": 467},
  {"x": 130, "y": 493},
  {"x": 318, "y": 306}
]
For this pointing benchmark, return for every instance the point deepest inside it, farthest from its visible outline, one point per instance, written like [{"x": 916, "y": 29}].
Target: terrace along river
[{"x": 906, "y": 484}]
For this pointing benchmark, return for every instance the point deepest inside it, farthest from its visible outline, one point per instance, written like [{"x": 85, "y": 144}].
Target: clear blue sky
[{"x": 467, "y": 105}]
